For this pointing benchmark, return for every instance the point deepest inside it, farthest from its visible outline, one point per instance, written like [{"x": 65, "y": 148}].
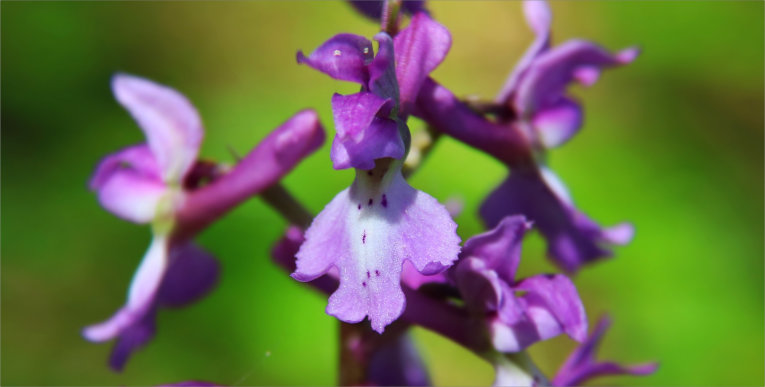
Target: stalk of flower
[
  {"x": 157, "y": 183},
  {"x": 533, "y": 113}
]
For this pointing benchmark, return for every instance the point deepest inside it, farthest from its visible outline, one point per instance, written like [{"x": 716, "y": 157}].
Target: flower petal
[
  {"x": 539, "y": 18},
  {"x": 141, "y": 296},
  {"x": 367, "y": 232},
  {"x": 557, "y": 123},
  {"x": 419, "y": 48},
  {"x": 373, "y": 8},
  {"x": 572, "y": 238},
  {"x": 343, "y": 57},
  {"x": 547, "y": 77},
  {"x": 129, "y": 185},
  {"x": 500, "y": 247},
  {"x": 359, "y": 146},
  {"x": 192, "y": 274},
  {"x": 581, "y": 365},
  {"x": 132, "y": 338},
  {"x": 172, "y": 126},
  {"x": 382, "y": 70},
  {"x": 559, "y": 296}
]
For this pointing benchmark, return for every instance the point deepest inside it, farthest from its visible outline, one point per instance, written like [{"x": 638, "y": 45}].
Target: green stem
[{"x": 290, "y": 208}]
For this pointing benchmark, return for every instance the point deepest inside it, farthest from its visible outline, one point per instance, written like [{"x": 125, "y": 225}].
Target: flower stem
[
  {"x": 290, "y": 208},
  {"x": 390, "y": 16}
]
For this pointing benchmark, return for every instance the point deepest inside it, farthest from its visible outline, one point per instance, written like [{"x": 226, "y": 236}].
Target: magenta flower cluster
[{"x": 387, "y": 254}]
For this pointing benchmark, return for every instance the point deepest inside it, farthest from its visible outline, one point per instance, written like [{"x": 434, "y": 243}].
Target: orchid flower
[
  {"x": 144, "y": 184},
  {"x": 155, "y": 183},
  {"x": 536, "y": 114},
  {"x": 368, "y": 231},
  {"x": 485, "y": 275}
]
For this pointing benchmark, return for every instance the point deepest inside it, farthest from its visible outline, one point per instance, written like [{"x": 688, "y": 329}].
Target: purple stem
[
  {"x": 441, "y": 109},
  {"x": 263, "y": 167}
]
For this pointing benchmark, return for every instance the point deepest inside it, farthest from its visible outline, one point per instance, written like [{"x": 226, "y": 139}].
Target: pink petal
[
  {"x": 128, "y": 184},
  {"x": 172, "y": 126}
]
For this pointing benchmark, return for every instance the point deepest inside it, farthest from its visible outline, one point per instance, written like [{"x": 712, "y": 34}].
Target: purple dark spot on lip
[
  {"x": 384, "y": 201},
  {"x": 370, "y": 173},
  {"x": 364, "y": 240},
  {"x": 364, "y": 284},
  {"x": 377, "y": 273},
  {"x": 370, "y": 202},
  {"x": 359, "y": 205},
  {"x": 368, "y": 275}
]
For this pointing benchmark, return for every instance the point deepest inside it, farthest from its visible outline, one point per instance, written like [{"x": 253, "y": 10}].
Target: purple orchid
[
  {"x": 581, "y": 364},
  {"x": 572, "y": 238},
  {"x": 144, "y": 184},
  {"x": 485, "y": 276},
  {"x": 535, "y": 89},
  {"x": 534, "y": 113},
  {"x": 157, "y": 183},
  {"x": 371, "y": 229}
]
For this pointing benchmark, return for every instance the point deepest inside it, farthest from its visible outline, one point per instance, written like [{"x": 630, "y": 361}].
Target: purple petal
[
  {"x": 285, "y": 249},
  {"x": 484, "y": 292},
  {"x": 557, "y": 123},
  {"x": 572, "y": 238},
  {"x": 367, "y": 232},
  {"x": 440, "y": 108},
  {"x": 192, "y": 274},
  {"x": 538, "y": 17},
  {"x": 420, "y": 48},
  {"x": 500, "y": 247},
  {"x": 132, "y": 338},
  {"x": 382, "y": 70},
  {"x": 171, "y": 124},
  {"x": 547, "y": 77},
  {"x": 397, "y": 363},
  {"x": 343, "y": 57},
  {"x": 354, "y": 113},
  {"x": 141, "y": 295},
  {"x": 559, "y": 296},
  {"x": 274, "y": 157},
  {"x": 581, "y": 365},
  {"x": 361, "y": 136},
  {"x": 373, "y": 8},
  {"x": 414, "y": 279},
  {"x": 129, "y": 185}
]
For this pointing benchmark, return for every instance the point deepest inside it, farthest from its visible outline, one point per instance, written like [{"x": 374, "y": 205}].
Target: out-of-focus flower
[
  {"x": 518, "y": 312},
  {"x": 373, "y": 9},
  {"x": 144, "y": 184},
  {"x": 371, "y": 229},
  {"x": 535, "y": 91},
  {"x": 582, "y": 366},
  {"x": 156, "y": 183},
  {"x": 572, "y": 238},
  {"x": 534, "y": 113}
]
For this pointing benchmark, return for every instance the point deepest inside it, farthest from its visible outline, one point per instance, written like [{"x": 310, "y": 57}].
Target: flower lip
[{"x": 368, "y": 231}]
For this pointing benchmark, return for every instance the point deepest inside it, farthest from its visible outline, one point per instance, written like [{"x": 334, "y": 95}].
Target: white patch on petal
[{"x": 367, "y": 232}]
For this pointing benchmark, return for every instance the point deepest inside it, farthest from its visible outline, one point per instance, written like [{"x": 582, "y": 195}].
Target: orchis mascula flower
[
  {"x": 144, "y": 184},
  {"x": 485, "y": 276},
  {"x": 157, "y": 183},
  {"x": 581, "y": 365},
  {"x": 534, "y": 113},
  {"x": 370, "y": 229}
]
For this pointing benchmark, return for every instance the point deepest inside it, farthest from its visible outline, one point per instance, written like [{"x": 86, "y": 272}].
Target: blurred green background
[{"x": 673, "y": 143}]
